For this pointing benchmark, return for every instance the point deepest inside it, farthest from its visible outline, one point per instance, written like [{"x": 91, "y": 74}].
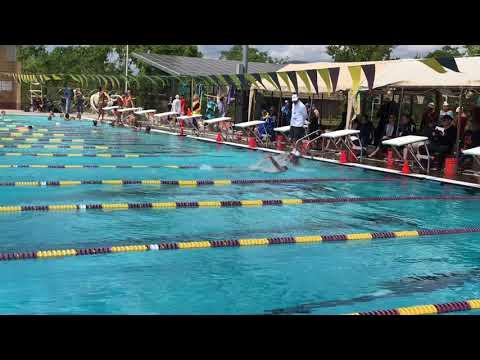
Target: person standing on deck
[
  {"x": 183, "y": 104},
  {"x": 221, "y": 106},
  {"x": 177, "y": 105},
  {"x": 68, "y": 95},
  {"x": 286, "y": 113},
  {"x": 297, "y": 121}
]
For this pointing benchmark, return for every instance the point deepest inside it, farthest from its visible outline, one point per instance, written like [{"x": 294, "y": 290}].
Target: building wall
[{"x": 9, "y": 89}]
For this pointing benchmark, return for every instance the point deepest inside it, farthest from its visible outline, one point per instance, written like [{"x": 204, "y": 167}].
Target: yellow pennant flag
[
  {"x": 355, "y": 73},
  {"x": 325, "y": 75},
  {"x": 303, "y": 75}
]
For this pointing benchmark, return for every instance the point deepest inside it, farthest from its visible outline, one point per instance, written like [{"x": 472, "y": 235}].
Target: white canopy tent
[{"x": 404, "y": 73}]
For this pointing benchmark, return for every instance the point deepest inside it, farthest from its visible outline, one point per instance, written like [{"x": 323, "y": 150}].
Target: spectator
[
  {"x": 286, "y": 113},
  {"x": 68, "y": 95},
  {"x": 445, "y": 111},
  {"x": 212, "y": 109},
  {"x": 315, "y": 123},
  {"x": 366, "y": 131},
  {"x": 169, "y": 105},
  {"x": 80, "y": 103},
  {"x": 127, "y": 99},
  {"x": 266, "y": 129},
  {"x": 176, "y": 104},
  {"x": 102, "y": 102},
  {"x": 388, "y": 133},
  {"x": 467, "y": 143},
  {"x": 273, "y": 115},
  {"x": 183, "y": 103},
  {"x": 297, "y": 119},
  {"x": 407, "y": 126},
  {"x": 221, "y": 106},
  {"x": 429, "y": 116},
  {"x": 443, "y": 139},
  {"x": 196, "y": 106},
  {"x": 343, "y": 122},
  {"x": 462, "y": 120}
]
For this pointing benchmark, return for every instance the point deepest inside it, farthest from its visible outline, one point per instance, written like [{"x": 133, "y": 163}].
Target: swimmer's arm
[{"x": 277, "y": 165}]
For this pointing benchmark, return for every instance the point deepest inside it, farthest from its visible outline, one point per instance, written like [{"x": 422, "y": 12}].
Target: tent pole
[
  {"x": 457, "y": 142},
  {"x": 399, "y": 110}
]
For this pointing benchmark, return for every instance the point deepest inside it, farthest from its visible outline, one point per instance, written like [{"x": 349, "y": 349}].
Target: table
[
  {"x": 221, "y": 120},
  {"x": 342, "y": 137},
  {"x": 409, "y": 141}
]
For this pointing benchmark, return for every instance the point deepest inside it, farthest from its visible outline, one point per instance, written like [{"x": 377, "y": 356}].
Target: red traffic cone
[
  {"x": 219, "y": 137},
  {"x": 390, "y": 161},
  {"x": 343, "y": 157},
  {"x": 252, "y": 143},
  {"x": 405, "y": 168}
]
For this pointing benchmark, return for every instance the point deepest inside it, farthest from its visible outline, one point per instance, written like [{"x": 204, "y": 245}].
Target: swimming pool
[{"x": 320, "y": 278}]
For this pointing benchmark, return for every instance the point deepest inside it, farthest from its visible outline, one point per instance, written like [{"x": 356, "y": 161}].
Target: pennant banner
[
  {"x": 253, "y": 80},
  {"x": 292, "y": 75},
  {"x": 312, "y": 74},
  {"x": 303, "y": 75},
  {"x": 274, "y": 77},
  {"x": 434, "y": 64},
  {"x": 229, "y": 81},
  {"x": 369, "y": 71},
  {"x": 325, "y": 75},
  {"x": 284, "y": 77},
  {"x": 267, "y": 77},
  {"x": 448, "y": 62},
  {"x": 258, "y": 78},
  {"x": 334, "y": 72},
  {"x": 355, "y": 73}
]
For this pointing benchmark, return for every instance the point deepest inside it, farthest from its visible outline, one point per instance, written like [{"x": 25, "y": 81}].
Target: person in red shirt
[
  {"x": 462, "y": 119},
  {"x": 183, "y": 104},
  {"x": 429, "y": 116}
]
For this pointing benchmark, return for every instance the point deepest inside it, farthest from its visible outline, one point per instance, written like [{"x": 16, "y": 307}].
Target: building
[{"x": 10, "y": 95}]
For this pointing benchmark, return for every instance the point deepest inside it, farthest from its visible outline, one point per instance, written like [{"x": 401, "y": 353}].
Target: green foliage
[
  {"x": 446, "y": 51},
  {"x": 347, "y": 53},
  {"x": 472, "y": 50},
  {"x": 254, "y": 55}
]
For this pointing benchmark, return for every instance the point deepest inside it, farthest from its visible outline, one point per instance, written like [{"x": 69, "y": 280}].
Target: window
[{"x": 6, "y": 86}]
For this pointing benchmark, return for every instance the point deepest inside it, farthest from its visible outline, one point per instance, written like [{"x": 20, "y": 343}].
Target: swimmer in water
[
  {"x": 95, "y": 122},
  {"x": 280, "y": 162},
  {"x": 3, "y": 115},
  {"x": 51, "y": 115}
]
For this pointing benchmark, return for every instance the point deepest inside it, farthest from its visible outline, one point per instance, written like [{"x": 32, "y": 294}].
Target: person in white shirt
[
  {"x": 176, "y": 104},
  {"x": 221, "y": 106},
  {"x": 297, "y": 121}
]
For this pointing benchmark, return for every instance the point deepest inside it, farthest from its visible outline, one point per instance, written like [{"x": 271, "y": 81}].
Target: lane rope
[
  {"x": 19, "y": 255},
  {"x": 219, "y": 182},
  {"x": 222, "y": 203},
  {"x": 430, "y": 309},
  {"x": 106, "y": 155},
  {"x": 42, "y": 146},
  {"x": 87, "y": 166}
]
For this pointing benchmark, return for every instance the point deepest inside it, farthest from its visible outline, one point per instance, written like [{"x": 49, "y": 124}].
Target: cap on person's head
[
  {"x": 445, "y": 103},
  {"x": 294, "y": 97},
  {"x": 177, "y": 96},
  {"x": 447, "y": 118},
  {"x": 431, "y": 105},
  {"x": 286, "y": 101}
]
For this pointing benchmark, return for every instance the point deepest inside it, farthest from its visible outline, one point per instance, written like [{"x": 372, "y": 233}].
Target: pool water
[{"x": 321, "y": 278}]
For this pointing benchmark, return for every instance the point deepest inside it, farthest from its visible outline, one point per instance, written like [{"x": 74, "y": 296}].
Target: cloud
[{"x": 312, "y": 53}]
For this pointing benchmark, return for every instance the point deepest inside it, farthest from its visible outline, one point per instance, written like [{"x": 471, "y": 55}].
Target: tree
[
  {"x": 347, "y": 53},
  {"x": 472, "y": 50},
  {"x": 254, "y": 55},
  {"x": 446, "y": 51}
]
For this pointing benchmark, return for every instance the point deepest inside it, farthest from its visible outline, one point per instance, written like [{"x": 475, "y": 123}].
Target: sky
[{"x": 312, "y": 53}]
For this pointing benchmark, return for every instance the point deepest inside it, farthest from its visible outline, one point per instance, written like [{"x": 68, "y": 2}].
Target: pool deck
[{"x": 464, "y": 180}]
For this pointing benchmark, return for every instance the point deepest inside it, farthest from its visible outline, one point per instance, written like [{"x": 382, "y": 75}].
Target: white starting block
[
  {"x": 411, "y": 142},
  {"x": 282, "y": 129},
  {"x": 344, "y": 137},
  {"x": 224, "y": 123},
  {"x": 167, "y": 115},
  {"x": 129, "y": 109},
  {"x": 475, "y": 152},
  {"x": 249, "y": 128},
  {"x": 189, "y": 120},
  {"x": 111, "y": 107},
  {"x": 143, "y": 112}
]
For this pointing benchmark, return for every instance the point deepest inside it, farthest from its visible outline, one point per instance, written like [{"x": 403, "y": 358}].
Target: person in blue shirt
[
  {"x": 267, "y": 127},
  {"x": 286, "y": 113},
  {"x": 68, "y": 95}
]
